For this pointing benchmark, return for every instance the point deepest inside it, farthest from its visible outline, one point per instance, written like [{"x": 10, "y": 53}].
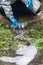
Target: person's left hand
[{"x": 28, "y": 3}]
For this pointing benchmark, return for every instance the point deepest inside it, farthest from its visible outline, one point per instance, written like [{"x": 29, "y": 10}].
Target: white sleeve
[{"x": 6, "y": 5}]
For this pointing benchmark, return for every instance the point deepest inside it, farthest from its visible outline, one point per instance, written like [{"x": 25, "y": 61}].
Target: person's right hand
[{"x": 14, "y": 22}]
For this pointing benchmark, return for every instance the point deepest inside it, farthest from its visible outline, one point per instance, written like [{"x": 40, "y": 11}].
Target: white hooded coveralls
[{"x": 6, "y": 5}]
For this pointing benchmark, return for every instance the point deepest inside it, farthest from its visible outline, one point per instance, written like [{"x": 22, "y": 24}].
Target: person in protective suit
[{"x": 6, "y": 5}]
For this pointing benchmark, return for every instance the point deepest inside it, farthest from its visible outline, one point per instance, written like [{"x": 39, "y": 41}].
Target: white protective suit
[{"x": 6, "y": 5}]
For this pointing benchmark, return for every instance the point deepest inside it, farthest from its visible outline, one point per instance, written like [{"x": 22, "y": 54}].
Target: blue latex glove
[
  {"x": 28, "y": 3},
  {"x": 14, "y": 22}
]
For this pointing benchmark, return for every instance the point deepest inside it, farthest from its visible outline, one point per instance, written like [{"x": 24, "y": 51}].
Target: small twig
[
  {"x": 32, "y": 22},
  {"x": 35, "y": 21}
]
